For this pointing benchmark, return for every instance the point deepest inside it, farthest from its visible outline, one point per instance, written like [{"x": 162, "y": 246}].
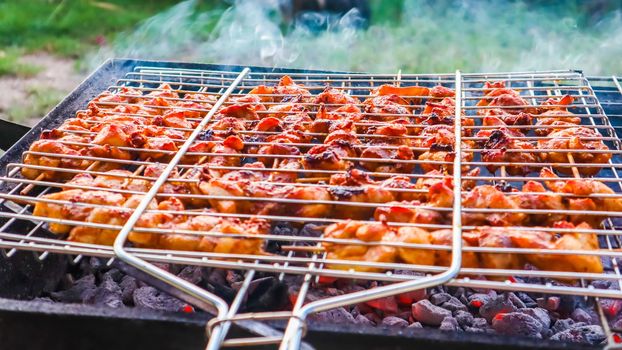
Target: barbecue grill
[{"x": 596, "y": 103}]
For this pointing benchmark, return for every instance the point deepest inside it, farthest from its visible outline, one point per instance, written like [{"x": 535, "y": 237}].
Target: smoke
[{"x": 430, "y": 36}]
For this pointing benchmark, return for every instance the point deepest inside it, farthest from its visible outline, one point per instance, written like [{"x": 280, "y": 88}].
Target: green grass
[
  {"x": 40, "y": 101},
  {"x": 10, "y": 64},
  {"x": 70, "y": 27}
]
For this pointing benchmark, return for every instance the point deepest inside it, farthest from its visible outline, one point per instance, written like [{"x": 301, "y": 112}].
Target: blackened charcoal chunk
[
  {"x": 128, "y": 285},
  {"x": 43, "y": 300},
  {"x": 602, "y": 284},
  {"x": 393, "y": 321},
  {"x": 449, "y": 324},
  {"x": 425, "y": 312},
  {"x": 516, "y": 323},
  {"x": 192, "y": 274},
  {"x": 415, "y": 325},
  {"x": 92, "y": 265},
  {"x": 151, "y": 298},
  {"x": 312, "y": 230},
  {"x": 338, "y": 315},
  {"x": 217, "y": 277},
  {"x": 500, "y": 304},
  {"x": 539, "y": 314},
  {"x": 586, "y": 334},
  {"x": 266, "y": 293},
  {"x": 464, "y": 318},
  {"x": 453, "y": 305},
  {"x": 516, "y": 300},
  {"x": 479, "y": 322},
  {"x": 527, "y": 300},
  {"x": 82, "y": 290},
  {"x": 562, "y": 324},
  {"x": 107, "y": 293},
  {"x": 550, "y": 303},
  {"x": 283, "y": 228},
  {"x": 364, "y": 321},
  {"x": 439, "y": 298},
  {"x": 114, "y": 274},
  {"x": 474, "y": 329},
  {"x": 580, "y": 315}
]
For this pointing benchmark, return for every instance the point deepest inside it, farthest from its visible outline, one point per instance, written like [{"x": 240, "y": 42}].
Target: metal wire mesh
[{"x": 307, "y": 255}]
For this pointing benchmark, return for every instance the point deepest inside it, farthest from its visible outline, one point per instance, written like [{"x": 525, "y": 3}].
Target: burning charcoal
[
  {"x": 107, "y": 293},
  {"x": 464, "y": 318},
  {"x": 567, "y": 303},
  {"x": 393, "y": 321},
  {"x": 449, "y": 324},
  {"x": 128, "y": 285},
  {"x": 411, "y": 297},
  {"x": 562, "y": 324},
  {"x": 388, "y": 304},
  {"x": 83, "y": 289},
  {"x": 92, "y": 265},
  {"x": 405, "y": 315},
  {"x": 151, "y": 298},
  {"x": 415, "y": 325},
  {"x": 361, "y": 309},
  {"x": 474, "y": 329},
  {"x": 438, "y": 299},
  {"x": 580, "y": 315},
  {"x": 362, "y": 320},
  {"x": 611, "y": 307},
  {"x": 500, "y": 304},
  {"x": 311, "y": 230},
  {"x": 586, "y": 334},
  {"x": 349, "y": 288},
  {"x": 550, "y": 303},
  {"x": 478, "y": 299},
  {"x": 479, "y": 322},
  {"x": 192, "y": 274},
  {"x": 539, "y": 314},
  {"x": 516, "y": 300},
  {"x": 338, "y": 315},
  {"x": 427, "y": 313},
  {"x": 460, "y": 291},
  {"x": 516, "y": 323},
  {"x": 454, "y": 305}
]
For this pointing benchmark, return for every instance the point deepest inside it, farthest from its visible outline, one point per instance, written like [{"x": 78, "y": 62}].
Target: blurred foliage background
[{"x": 47, "y": 46}]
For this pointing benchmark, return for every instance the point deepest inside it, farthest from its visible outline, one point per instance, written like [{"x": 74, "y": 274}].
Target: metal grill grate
[{"x": 303, "y": 255}]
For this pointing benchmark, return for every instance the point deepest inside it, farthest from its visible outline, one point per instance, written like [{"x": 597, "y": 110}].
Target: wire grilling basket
[{"x": 467, "y": 165}]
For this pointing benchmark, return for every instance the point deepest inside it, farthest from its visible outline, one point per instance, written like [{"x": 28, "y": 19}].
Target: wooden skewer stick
[{"x": 575, "y": 170}]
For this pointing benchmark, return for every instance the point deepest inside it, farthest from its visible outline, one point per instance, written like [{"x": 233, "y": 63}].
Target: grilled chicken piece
[
  {"x": 341, "y": 118},
  {"x": 489, "y": 197},
  {"x": 290, "y": 165},
  {"x": 117, "y": 179},
  {"x": 497, "y": 95},
  {"x": 368, "y": 232},
  {"x": 580, "y": 139},
  {"x": 281, "y": 111},
  {"x": 561, "y": 241},
  {"x": 501, "y": 146},
  {"x": 443, "y": 257},
  {"x": 73, "y": 210},
  {"x": 499, "y": 117},
  {"x": 356, "y": 186},
  {"x": 582, "y": 188},
  {"x": 409, "y": 211},
  {"x": 535, "y": 196},
  {"x": 389, "y": 144},
  {"x": 412, "y": 94},
  {"x": 286, "y": 87},
  {"x": 494, "y": 237},
  {"x": 441, "y": 142},
  {"x": 56, "y": 150},
  {"x": 415, "y": 235},
  {"x": 334, "y": 98},
  {"x": 402, "y": 188},
  {"x": 224, "y": 127},
  {"x": 443, "y": 112},
  {"x": 386, "y": 108},
  {"x": 330, "y": 156}
]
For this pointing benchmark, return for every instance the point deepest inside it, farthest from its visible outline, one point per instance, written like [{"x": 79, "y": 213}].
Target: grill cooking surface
[{"x": 471, "y": 158}]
